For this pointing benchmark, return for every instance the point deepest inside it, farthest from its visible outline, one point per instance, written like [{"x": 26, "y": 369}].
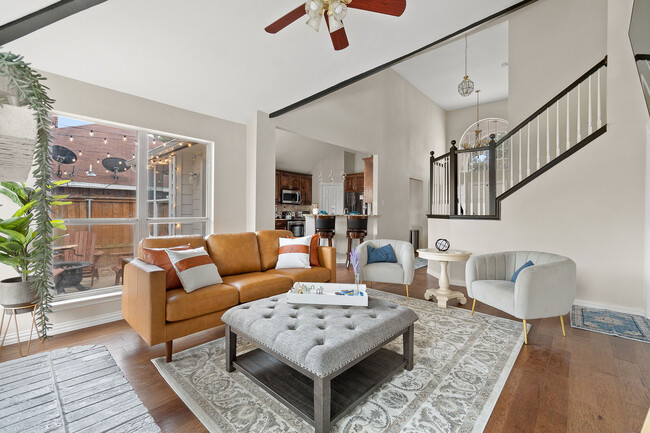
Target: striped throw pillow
[
  {"x": 294, "y": 253},
  {"x": 195, "y": 268},
  {"x": 159, "y": 257}
]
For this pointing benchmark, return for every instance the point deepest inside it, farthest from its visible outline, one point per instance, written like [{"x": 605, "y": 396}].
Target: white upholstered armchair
[
  {"x": 401, "y": 272},
  {"x": 546, "y": 289}
]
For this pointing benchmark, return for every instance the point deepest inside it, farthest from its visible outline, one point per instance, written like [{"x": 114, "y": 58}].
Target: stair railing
[{"x": 476, "y": 179}]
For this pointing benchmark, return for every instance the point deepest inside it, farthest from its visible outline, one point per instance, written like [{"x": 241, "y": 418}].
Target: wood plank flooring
[{"x": 586, "y": 382}]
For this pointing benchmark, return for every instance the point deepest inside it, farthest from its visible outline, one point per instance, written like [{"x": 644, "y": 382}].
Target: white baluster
[
  {"x": 548, "y": 137},
  {"x": 528, "y": 153},
  {"x": 466, "y": 193},
  {"x": 503, "y": 167},
  {"x": 578, "y": 134},
  {"x": 485, "y": 178},
  {"x": 510, "y": 158},
  {"x": 471, "y": 185},
  {"x": 590, "y": 126},
  {"x": 599, "y": 120},
  {"x": 568, "y": 121},
  {"x": 521, "y": 148},
  {"x": 539, "y": 118},
  {"x": 557, "y": 129}
]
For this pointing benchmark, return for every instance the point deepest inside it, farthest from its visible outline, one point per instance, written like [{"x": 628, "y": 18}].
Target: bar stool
[
  {"x": 325, "y": 227},
  {"x": 357, "y": 229}
]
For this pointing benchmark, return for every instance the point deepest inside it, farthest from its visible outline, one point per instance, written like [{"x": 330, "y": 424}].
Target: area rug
[
  {"x": 461, "y": 365},
  {"x": 69, "y": 390},
  {"x": 420, "y": 262},
  {"x": 631, "y": 326}
]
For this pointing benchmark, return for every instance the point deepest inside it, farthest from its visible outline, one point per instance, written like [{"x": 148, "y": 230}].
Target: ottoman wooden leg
[
  {"x": 408, "y": 341},
  {"x": 231, "y": 349},
  {"x": 322, "y": 402}
]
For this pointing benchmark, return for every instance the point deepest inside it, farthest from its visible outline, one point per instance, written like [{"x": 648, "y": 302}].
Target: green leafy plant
[
  {"x": 32, "y": 93},
  {"x": 17, "y": 232}
]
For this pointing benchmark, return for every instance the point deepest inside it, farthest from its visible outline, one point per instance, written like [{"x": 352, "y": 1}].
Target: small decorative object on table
[
  {"x": 354, "y": 259},
  {"x": 442, "y": 245},
  {"x": 328, "y": 294}
]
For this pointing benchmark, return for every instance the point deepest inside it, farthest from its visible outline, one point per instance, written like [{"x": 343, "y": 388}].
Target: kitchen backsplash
[{"x": 292, "y": 208}]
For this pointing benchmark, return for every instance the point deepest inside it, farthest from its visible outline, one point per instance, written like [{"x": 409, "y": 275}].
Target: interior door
[{"x": 332, "y": 198}]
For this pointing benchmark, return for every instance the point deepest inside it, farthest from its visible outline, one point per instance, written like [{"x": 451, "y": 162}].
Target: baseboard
[
  {"x": 61, "y": 328},
  {"x": 617, "y": 308}
]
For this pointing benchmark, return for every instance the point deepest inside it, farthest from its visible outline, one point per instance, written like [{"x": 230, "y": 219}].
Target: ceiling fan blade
[
  {"x": 388, "y": 7},
  {"x": 287, "y": 19},
  {"x": 339, "y": 37}
]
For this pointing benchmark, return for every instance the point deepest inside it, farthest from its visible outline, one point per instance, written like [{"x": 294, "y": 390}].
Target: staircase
[{"x": 471, "y": 182}]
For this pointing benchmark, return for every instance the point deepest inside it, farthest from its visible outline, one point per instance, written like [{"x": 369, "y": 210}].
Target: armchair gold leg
[
  {"x": 369, "y": 284},
  {"x": 407, "y": 291},
  {"x": 473, "y": 306},
  {"x": 562, "y": 322},
  {"x": 525, "y": 333}
]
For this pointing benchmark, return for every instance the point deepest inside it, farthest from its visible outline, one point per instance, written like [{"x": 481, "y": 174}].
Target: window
[
  {"x": 109, "y": 213},
  {"x": 478, "y": 135}
]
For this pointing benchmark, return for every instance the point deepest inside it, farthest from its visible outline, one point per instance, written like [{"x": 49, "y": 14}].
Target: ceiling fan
[{"x": 335, "y": 11}]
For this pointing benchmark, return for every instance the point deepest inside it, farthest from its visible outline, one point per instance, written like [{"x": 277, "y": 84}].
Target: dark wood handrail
[
  {"x": 446, "y": 155},
  {"x": 559, "y": 96},
  {"x": 473, "y": 149},
  {"x": 641, "y": 57}
]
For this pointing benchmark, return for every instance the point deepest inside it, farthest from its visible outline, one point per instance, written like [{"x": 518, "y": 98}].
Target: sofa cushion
[
  {"x": 235, "y": 253},
  {"x": 182, "y": 305},
  {"x": 258, "y": 285},
  {"x": 159, "y": 257},
  {"x": 309, "y": 275},
  {"x": 267, "y": 241},
  {"x": 499, "y": 294},
  {"x": 194, "y": 241}
]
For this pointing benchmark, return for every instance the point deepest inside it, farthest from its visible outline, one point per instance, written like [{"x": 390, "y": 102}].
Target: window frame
[{"x": 142, "y": 220}]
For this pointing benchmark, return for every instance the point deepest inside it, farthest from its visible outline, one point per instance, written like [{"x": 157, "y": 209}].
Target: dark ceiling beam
[
  {"x": 380, "y": 68},
  {"x": 43, "y": 17}
]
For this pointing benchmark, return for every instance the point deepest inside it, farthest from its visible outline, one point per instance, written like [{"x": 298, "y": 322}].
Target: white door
[{"x": 331, "y": 197}]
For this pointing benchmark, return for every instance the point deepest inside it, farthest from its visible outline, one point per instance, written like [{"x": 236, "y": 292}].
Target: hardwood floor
[{"x": 586, "y": 382}]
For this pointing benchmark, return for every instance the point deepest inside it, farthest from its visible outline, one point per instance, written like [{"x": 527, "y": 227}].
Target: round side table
[
  {"x": 443, "y": 294},
  {"x": 13, "y": 310}
]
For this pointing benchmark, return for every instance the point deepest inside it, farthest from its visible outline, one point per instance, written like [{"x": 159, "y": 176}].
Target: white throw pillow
[
  {"x": 194, "y": 268},
  {"x": 294, "y": 253}
]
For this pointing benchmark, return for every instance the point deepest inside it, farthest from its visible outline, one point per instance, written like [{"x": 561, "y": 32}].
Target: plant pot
[{"x": 14, "y": 292}]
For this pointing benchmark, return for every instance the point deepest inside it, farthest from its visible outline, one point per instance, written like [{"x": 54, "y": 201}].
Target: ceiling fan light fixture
[
  {"x": 314, "y": 22},
  {"x": 336, "y": 12}
]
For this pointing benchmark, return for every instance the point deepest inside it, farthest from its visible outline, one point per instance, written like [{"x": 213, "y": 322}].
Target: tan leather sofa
[{"x": 246, "y": 262}]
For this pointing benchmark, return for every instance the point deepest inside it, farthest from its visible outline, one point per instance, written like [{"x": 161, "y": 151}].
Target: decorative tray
[{"x": 328, "y": 294}]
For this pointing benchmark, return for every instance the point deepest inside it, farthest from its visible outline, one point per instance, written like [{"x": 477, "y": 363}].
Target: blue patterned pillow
[
  {"x": 524, "y": 266},
  {"x": 380, "y": 255}
]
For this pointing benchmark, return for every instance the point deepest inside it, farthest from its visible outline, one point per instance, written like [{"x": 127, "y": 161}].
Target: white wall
[
  {"x": 75, "y": 97},
  {"x": 590, "y": 207},
  {"x": 260, "y": 173},
  {"x": 386, "y": 116},
  {"x": 459, "y": 120}
]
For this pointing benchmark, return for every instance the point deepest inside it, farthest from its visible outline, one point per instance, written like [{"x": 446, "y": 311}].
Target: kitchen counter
[{"x": 340, "y": 242}]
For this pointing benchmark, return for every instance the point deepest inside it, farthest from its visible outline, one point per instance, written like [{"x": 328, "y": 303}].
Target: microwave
[{"x": 290, "y": 197}]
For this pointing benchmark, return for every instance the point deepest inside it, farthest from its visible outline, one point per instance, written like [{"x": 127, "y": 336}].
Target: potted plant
[{"x": 16, "y": 236}]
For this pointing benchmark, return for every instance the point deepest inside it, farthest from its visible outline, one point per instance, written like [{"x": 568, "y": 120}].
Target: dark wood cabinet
[
  {"x": 367, "y": 179},
  {"x": 353, "y": 182},
  {"x": 280, "y": 224},
  {"x": 293, "y": 181},
  {"x": 305, "y": 189}
]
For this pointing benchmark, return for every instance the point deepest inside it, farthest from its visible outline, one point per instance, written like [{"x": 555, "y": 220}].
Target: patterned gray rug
[
  {"x": 70, "y": 390},
  {"x": 461, "y": 365},
  {"x": 630, "y": 326},
  {"x": 420, "y": 263}
]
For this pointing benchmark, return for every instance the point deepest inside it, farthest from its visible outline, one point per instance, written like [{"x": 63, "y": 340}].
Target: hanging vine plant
[{"x": 32, "y": 93}]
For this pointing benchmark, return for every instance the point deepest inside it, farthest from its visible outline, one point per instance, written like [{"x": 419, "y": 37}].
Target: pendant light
[{"x": 466, "y": 87}]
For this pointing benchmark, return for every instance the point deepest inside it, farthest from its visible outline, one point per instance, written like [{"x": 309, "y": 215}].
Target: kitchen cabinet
[
  {"x": 353, "y": 182},
  {"x": 280, "y": 224},
  {"x": 305, "y": 189},
  {"x": 295, "y": 182},
  {"x": 367, "y": 179}
]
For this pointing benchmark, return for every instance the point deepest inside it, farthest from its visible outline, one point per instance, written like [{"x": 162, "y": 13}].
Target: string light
[
  {"x": 71, "y": 138},
  {"x": 74, "y": 159},
  {"x": 124, "y": 138},
  {"x": 91, "y": 133},
  {"x": 108, "y": 154},
  {"x": 154, "y": 141},
  {"x": 80, "y": 152},
  {"x": 97, "y": 160},
  {"x": 105, "y": 140}
]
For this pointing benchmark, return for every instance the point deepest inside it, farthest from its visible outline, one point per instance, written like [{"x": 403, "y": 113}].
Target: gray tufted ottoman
[{"x": 338, "y": 352}]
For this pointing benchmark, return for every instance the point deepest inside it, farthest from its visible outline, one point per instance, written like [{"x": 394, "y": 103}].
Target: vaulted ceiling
[{"x": 214, "y": 57}]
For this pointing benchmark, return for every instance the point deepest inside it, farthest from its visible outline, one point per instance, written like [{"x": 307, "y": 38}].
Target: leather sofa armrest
[
  {"x": 327, "y": 259},
  {"x": 144, "y": 300}
]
